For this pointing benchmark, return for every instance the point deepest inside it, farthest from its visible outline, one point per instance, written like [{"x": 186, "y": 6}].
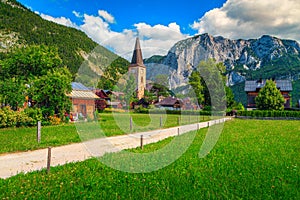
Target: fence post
[
  {"x": 178, "y": 131},
  {"x": 130, "y": 124},
  {"x": 142, "y": 145},
  {"x": 160, "y": 121},
  {"x": 38, "y": 132},
  {"x": 49, "y": 160}
]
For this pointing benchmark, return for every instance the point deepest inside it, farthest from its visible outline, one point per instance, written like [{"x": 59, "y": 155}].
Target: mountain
[
  {"x": 265, "y": 57},
  {"x": 20, "y": 26}
]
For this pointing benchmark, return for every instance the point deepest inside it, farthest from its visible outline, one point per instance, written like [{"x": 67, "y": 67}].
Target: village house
[
  {"x": 170, "y": 103},
  {"x": 83, "y": 101},
  {"x": 252, "y": 89}
]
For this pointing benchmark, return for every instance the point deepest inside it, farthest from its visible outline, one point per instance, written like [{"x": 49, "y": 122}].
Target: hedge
[
  {"x": 178, "y": 112},
  {"x": 269, "y": 113}
]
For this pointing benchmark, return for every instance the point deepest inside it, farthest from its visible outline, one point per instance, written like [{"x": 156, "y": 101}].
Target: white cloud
[
  {"x": 77, "y": 14},
  {"x": 97, "y": 28},
  {"x": 155, "y": 40},
  {"x": 252, "y": 18},
  {"x": 59, "y": 20},
  {"x": 158, "y": 39},
  {"x": 106, "y": 16}
]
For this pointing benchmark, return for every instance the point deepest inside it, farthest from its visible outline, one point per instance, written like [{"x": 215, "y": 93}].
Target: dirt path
[{"x": 14, "y": 163}]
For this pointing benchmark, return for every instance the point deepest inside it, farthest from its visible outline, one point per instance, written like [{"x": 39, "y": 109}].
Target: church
[{"x": 138, "y": 69}]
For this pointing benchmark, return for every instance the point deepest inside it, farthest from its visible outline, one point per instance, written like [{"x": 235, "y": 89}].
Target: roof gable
[
  {"x": 169, "y": 101},
  {"x": 282, "y": 85},
  {"x": 79, "y": 91}
]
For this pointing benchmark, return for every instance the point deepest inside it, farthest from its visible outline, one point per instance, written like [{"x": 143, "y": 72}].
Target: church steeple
[
  {"x": 137, "y": 57},
  {"x": 138, "y": 69}
]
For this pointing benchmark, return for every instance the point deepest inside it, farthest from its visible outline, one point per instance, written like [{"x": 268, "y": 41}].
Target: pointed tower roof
[{"x": 137, "y": 57}]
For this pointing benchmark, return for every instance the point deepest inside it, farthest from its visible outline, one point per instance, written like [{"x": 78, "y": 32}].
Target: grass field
[
  {"x": 252, "y": 160},
  {"x": 24, "y": 139}
]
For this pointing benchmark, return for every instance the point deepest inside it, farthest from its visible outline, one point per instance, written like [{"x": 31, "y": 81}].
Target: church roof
[{"x": 137, "y": 57}]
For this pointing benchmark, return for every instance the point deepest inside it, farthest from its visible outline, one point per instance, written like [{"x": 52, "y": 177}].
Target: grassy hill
[{"x": 20, "y": 26}]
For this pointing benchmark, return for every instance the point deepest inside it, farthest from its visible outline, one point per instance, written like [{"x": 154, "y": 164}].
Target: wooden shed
[{"x": 83, "y": 101}]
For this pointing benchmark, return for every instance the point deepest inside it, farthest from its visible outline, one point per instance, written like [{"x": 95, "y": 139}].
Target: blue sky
[
  {"x": 161, "y": 23},
  {"x": 127, "y": 13}
]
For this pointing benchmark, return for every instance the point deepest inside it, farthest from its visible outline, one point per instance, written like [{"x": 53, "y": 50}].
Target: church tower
[{"x": 138, "y": 69}]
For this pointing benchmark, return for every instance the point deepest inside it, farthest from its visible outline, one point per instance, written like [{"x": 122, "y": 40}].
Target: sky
[{"x": 161, "y": 23}]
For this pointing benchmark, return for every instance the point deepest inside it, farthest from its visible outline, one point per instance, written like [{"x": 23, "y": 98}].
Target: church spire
[{"x": 137, "y": 57}]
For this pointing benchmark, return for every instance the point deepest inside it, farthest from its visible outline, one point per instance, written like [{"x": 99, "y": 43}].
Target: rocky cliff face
[{"x": 241, "y": 57}]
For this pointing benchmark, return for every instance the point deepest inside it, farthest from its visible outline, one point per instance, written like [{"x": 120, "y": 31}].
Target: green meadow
[
  {"x": 252, "y": 160},
  {"x": 24, "y": 139}
]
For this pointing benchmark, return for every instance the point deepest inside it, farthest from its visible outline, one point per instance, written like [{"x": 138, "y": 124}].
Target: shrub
[
  {"x": 3, "y": 119},
  {"x": 54, "y": 120},
  {"x": 8, "y": 117},
  {"x": 35, "y": 114},
  {"x": 23, "y": 119},
  {"x": 109, "y": 110},
  {"x": 141, "y": 109}
]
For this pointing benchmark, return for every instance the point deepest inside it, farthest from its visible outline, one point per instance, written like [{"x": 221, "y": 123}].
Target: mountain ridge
[{"x": 264, "y": 57}]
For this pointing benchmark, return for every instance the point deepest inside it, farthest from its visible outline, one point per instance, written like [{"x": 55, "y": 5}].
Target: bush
[
  {"x": 3, "y": 119},
  {"x": 10, "y": 118},
  {"x": 23, "y": 119},
  {"x": 54, "y": 120},
  {"x": 35, "y": 114},
  {"x": 109, "y": 110},
  {"x": 141, "y": 109}
]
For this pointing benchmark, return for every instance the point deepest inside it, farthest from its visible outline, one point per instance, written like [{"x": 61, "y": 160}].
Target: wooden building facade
[
  {"x": 252, "y": 89},
  {"x": 83, "y": 101}
]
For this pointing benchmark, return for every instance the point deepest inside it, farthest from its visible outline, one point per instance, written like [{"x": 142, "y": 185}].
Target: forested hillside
[{"x": 20, "y": 26}]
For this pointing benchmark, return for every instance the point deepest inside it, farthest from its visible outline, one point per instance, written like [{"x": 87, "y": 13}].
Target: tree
[
  {"x": 214, "y": 80},
  {"x": 197, "y": 85},
  {"x": 49, "y": 92},
  {"x": 12, "y": 93},
  {"x": 269, "y": 97},
  {"x": 229, "y": 97},
  {"x": 127, "y": 85},
  {"x": 28, "y": 62},
  {"x": 159, "y": 90}
]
